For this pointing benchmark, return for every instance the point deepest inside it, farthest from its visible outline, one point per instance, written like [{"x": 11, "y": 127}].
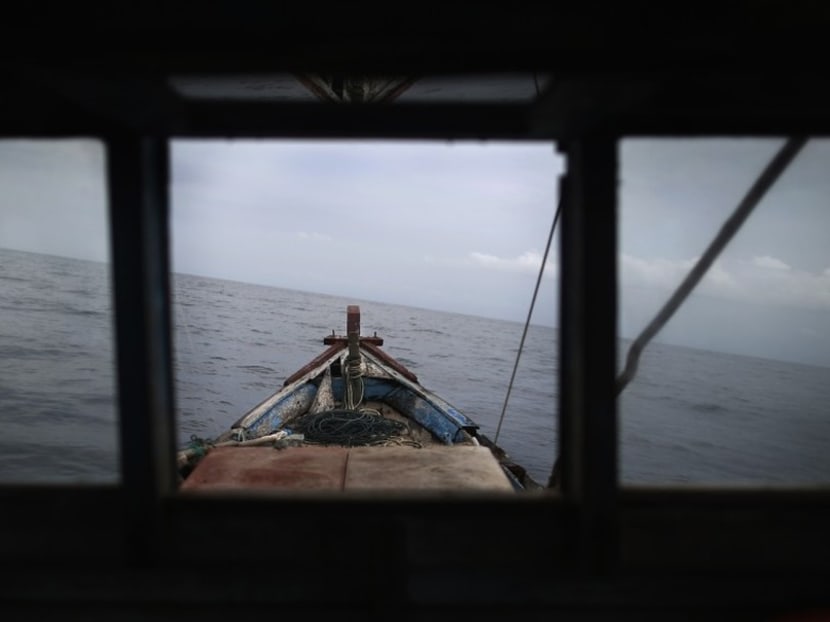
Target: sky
[{"x": 462, "y": 226}]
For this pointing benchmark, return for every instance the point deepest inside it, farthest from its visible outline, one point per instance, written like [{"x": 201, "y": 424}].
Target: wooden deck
[{"x": 434, "y": 468}]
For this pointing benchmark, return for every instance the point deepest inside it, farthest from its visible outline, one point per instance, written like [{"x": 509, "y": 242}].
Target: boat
[{"x": 353, "y": 419}]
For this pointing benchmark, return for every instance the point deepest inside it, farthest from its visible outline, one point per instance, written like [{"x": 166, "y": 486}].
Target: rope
[
  {"x": 351, "y": 425},
  {"x": 352, "y": 428},
  {"x": 529, "y": 314},
  {"x": 354, "y": 384},
  {"x": 768, "y": 177},
  {"x": 199, "y": 446}
]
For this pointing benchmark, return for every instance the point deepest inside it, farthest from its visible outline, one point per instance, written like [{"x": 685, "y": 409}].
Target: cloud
[
  {"x": 528, "y": 262},
  {"x": 761, "y": 280},
  {"x": 718, "y": 276},
  {"x": 772, "y": 263},
  {"x": 667, "y": 273},
  {"x": 786, "y": 286}
]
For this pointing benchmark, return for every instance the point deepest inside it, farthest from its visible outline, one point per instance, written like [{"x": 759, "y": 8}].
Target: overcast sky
[
  {"x": 458, "y": 227},
  {"x": 463, "y": 226}
]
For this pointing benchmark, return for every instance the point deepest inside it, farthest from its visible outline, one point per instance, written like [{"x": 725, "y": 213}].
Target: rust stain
[{"x": 294, "y": 468}]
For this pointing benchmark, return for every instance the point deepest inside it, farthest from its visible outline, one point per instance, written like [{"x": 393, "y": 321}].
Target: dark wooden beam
[
  {"x": 255, "y": 35},
  {"x": 636, "y": 112},
  {"x": 588, "y": 316},
  {"x": 717, "y": 554},
  {"x": 318, "y": 120},
  {"x": 684, "y": 102},
  {"x": 138, "y": 207}
]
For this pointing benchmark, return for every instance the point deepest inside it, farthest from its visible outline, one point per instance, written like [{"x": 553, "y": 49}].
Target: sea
[{"x": 689, "y": 417}]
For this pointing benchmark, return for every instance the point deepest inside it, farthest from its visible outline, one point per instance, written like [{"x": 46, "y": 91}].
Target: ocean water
[{"x": 688, "y": 417}]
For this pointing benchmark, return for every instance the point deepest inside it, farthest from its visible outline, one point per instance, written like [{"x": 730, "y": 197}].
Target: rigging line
[
  {"x": 529, "y": 314},
  {"x": 767, "y": 178}
]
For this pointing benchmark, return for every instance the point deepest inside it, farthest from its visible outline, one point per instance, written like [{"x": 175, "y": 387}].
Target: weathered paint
[
  {"x": 373, "y": 388},
  {"x": 353, "y": 332},
  {"x": 245, "y": 421},
  {"x": 292, "y": 403},
  {"x": 324, "y": 399},
  {"x": 444, "y": 421},
  {"x": 436, "y": 415},
  {"x": 332, "y": 339},
  {"x": 353, "y": 320},
  {"x": 395, "y": 387}
]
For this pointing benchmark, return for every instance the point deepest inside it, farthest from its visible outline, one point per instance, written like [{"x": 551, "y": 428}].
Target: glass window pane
[
  {"x": 439, "y": 244},
  {"x": 735, "y": 389},
  {"x": 57, "y": 405}
]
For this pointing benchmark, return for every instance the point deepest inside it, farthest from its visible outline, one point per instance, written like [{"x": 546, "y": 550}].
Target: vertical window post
[
  {"x": 137, "y": 168},
  {"x": 588, "y": 350}
]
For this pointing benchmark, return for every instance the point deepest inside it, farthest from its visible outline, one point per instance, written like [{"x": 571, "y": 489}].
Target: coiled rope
[
  {"x": 352, "y": 428},
  {"x": 351, "y": 425},
  {"x": 354, "y": 384}
]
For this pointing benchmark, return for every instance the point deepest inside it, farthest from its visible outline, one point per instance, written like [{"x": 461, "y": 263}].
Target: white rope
[{"x": 353, "y": 377}]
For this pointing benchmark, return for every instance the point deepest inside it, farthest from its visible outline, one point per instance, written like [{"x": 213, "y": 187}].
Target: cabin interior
[{"x": 138, "y": 75}]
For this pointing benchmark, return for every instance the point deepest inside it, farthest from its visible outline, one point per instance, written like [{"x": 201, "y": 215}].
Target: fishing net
[{"x": 349, "y": 427}]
